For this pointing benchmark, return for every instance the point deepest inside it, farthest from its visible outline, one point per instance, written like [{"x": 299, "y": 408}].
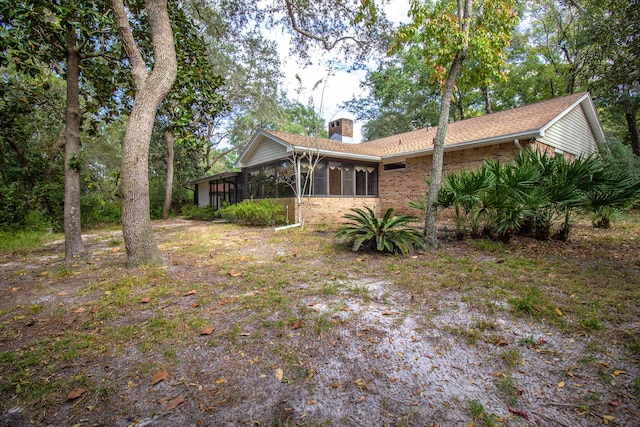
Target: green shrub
[
  {"x": 389, "y": 233},
  {"x": 265, "y": 212},
  {"x": 205, "y": 213}
]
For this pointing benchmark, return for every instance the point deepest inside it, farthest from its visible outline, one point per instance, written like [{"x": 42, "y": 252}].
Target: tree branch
[{"x": 138, "y": 67}]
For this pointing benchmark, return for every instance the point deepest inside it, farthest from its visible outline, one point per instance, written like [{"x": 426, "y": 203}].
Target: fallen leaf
[
  {"x": 346, "y": 308},
  {"x": 16, "y": 289},
  {"x": 174, "y": 402},
  {"x": 160, "y": 376},
  {"x": 608, "y": 417},
  {"x": 114, "y": 250},
  {"x": 618, "y": 372},
  {"x": 221, "y": 381},
  {"x": 517, "y": 412},
  {"x": 80, "y": 310},
  {"x": 311, "y": 304},
  {"x": 297, "y": 324},
  {"x": 279, "y": 374},
  {"x": 359, "y": 259},
  {"x": 310, "y": 402},
  {"x": 502, "y": 343},
  {"x": 74, "y": 394},
  {"x": 145, "y": 300},
  {"x": 234, "y": 273},
  {"x": 561, "y": 384},
  {"x": 558, "y": 311},
  {"x": 191, "y": 292},
  {"x": 388, "y": 313},
  {"x": 361, "y": 398},
  {"x": 614, "y": 403},
  {"x": 207, "y": 331},
  {"x": 195, "y": 304}
]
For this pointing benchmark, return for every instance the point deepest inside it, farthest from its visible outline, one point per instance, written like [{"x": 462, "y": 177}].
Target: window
[
  {"x": 335, "y": 179},
  {"x": 393, "y": 166},
  {"x": 319, "y": 187},
  {"x": 279, "y": 179}
]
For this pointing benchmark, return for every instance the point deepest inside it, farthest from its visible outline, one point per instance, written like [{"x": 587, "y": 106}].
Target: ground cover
[{"x": 247, "y": 326}]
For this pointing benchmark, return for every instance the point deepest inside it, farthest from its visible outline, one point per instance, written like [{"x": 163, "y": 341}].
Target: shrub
[
  {"x": 389, "y": 233},
  {"x": 265, "y": 212},
  {"x": 205, "y": 213}
]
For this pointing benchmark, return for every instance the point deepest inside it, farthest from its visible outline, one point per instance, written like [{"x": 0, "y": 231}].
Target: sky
[{"x": 338, "y": 86}]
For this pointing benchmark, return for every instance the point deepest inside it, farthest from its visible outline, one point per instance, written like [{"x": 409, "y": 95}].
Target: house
[{"x": 335, "y": 174}]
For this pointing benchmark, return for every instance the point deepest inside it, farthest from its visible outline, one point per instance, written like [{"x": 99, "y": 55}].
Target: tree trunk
[
  {"x": 430, "y": 226},
  {"x": 632, "y": 126},
  {"x": 168, "y": 191},
  {"x": 487, "y": 100},
  {"x": 431, "y": 214},
  {"x": 73, "y": 247},
  {"x": 151, "y": 89}
]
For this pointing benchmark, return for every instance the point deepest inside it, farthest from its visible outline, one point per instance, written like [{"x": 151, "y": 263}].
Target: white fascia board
[
  {"x": 468, "y": 144},
  {"x": 338, "y": 154}
]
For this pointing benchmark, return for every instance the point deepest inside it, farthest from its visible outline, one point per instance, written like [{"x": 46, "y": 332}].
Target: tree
[
  {"x": 614, "y": 27},
  {"x": 447, "y": 32},
  {"x": 151, "y": 87},
  {"x": 194, "y": 100},
  {"x": 62, "y": 35}
]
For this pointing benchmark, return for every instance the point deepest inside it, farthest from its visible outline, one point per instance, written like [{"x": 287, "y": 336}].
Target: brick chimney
[{"x": 341, "y": 130}]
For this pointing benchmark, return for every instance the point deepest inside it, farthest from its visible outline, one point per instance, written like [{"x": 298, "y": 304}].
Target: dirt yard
[{"x": 247, "y": 326}]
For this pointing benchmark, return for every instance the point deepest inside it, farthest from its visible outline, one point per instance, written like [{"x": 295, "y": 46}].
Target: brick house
[{"x": 336, "y": 174}]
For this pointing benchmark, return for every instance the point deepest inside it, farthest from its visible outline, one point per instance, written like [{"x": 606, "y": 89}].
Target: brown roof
[{"x": 506, "y": 124}]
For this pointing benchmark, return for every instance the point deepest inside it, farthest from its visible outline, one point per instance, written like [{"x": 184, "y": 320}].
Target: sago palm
[{"x": 387, "y": 234}]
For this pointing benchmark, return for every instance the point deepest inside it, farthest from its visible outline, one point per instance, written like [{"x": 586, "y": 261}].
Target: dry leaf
[
  {"x": 279, "y": 374},
  {"x": 234, "y": 273},
  {"x": 346, "y": 308},
  {"x": 221, "y": 381},
  {"x": 207, "y": 331},
  {"x": 160, "y": 376},
  {"x": 174, "y": 402},
  {"x": 561, "y": 384},
  {"x": 359, "y": 259},
  {"x": 311, "y": 304},
  {"x": 618, "y": 372},
  {"x": 114, "y": 250},
  {"x": 145, "y": 300},
  {"x": 191, "y": 292},
  {"x": 310, "y": 402},
  {"x": 361, "y": 399},
  {"x": 558, "y": 311},
  {"x": 608, "y": 417},
  {"x": 388, "y": 313},
  {"x": 80, "y": 310},
  {"x": 297, "y": 324},
  {"x": 74, "y": 394}
]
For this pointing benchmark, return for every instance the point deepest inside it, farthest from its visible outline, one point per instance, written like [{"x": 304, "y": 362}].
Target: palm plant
[{"x": 389, "y": 233}]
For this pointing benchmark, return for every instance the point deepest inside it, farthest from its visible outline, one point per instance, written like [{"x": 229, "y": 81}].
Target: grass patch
[
  {"x": 24, "y": 241},
  {"x": 479, "y": 414}
]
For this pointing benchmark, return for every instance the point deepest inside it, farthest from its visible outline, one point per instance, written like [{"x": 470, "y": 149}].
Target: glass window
[
  {"x": 372, "y": 181},
  {"x": 320, "y": 179},
  {"x": 335, "y": 179},
  {"x": 286, "y": 180},
  {"x": 348, "y": 180}
]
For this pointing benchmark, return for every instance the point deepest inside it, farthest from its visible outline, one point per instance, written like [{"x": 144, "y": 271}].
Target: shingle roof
[{"x": 506, "y": 124}]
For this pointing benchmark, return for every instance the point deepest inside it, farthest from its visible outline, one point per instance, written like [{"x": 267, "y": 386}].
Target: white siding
[
  {"x": 571, "y": 134},
  {"x": 203, "y": 194},
  {"x": 266, "y": 151}
]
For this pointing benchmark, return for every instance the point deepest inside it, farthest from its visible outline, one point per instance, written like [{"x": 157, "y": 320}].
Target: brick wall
[
  {"x": 400, "y": 186},
  {"x": 329, "y": 210}
]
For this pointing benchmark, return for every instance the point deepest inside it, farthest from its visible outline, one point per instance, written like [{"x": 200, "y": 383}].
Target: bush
[
  {"x": 265, "y": 212},
  {"x": 205, "y": 213},
  {"x": 389, "y": 233}
]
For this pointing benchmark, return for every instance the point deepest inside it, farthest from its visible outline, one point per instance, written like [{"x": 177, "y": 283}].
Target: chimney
[{"x": 341, "y": 130}]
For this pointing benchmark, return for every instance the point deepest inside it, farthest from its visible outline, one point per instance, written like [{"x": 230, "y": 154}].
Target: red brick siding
[{"x": 398, "y": 187}]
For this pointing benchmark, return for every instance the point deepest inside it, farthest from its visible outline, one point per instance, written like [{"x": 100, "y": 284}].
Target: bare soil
[{"x": 306, "y": 332}]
